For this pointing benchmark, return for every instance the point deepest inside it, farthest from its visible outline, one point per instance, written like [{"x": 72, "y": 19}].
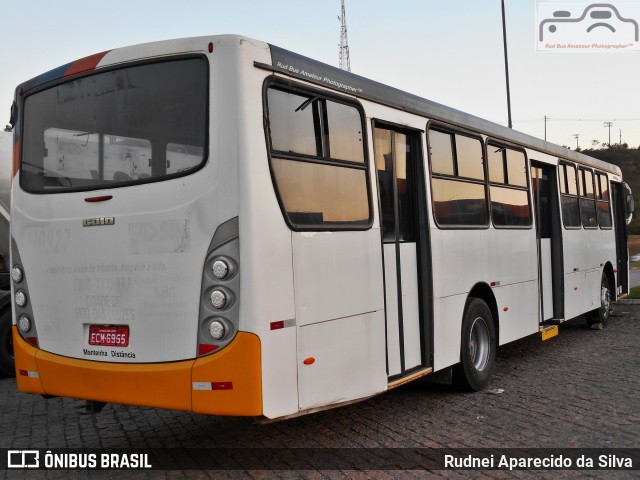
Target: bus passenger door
[
  {"x": 406, "y": 260},
  {"x": 549, "y": 235},
  {"x": 620, "y": 225}
]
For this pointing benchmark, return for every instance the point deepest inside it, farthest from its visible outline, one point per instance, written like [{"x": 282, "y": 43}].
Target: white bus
[{"x": 222, "y": 226}]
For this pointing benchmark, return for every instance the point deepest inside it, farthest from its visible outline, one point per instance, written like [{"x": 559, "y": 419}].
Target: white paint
[
  {"x": 392, "y": 320},
  {"x": 349, "y": 360},
  {"x": 337, "y": 274},
  {"x": 410, "y": 306}
]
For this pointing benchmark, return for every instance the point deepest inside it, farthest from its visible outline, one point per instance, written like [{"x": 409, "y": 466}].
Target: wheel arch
[
  {"x": 608, "y": 271},
  {"x": 484, "y": 292}
]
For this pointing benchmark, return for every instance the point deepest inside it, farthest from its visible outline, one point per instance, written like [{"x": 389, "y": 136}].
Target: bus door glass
[
  {"x": 396, "y": 156},
  {"x": 549, "y": 235}
]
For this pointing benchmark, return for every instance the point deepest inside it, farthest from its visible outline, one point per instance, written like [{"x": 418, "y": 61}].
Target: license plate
[{"x": 106, "y": 336}]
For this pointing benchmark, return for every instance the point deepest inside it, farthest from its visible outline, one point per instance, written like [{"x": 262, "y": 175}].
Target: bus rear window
[{"x": 115, "y": 128}]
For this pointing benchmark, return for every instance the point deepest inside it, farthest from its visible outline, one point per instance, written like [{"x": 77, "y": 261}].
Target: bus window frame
[
  {"x": 452, "y": 130},
  {"x": 600, "y": 173},
  {"x": 286, "y": 85},
  {"x": 575, "y": 167},
  {"x": 110, "y": 68},
  {"x": 490, "y": 141},
  {"x": 581, "y": 183}
]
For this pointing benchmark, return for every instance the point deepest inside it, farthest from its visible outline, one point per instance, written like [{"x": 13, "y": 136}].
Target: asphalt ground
[{"x": 579, "y": 390}]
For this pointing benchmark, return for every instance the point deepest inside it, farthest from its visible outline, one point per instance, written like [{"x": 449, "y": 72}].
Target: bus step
[{"x": 548, "y": 331}]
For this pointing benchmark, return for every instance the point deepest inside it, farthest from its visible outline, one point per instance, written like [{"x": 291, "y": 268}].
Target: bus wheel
[
  {"x": 599, "y": 317},
  {"x": 7, "y": 364},
  {"x": 477, "y": 348}
]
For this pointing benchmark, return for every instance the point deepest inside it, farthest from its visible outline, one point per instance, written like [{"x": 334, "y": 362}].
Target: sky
[{"x": 448, "y": 51}]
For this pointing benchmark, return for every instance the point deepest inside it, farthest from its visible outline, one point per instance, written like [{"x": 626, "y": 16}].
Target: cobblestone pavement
[{"x": 579, "y": 390}]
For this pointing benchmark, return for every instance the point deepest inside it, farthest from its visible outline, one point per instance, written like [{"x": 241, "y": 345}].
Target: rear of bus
[{"x": 125, "y": 235}]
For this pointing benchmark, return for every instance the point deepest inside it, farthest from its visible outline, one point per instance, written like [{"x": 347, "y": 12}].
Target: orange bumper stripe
[
  {"x": 161, "y": 385},
  {"x": 235, "y": 376}
]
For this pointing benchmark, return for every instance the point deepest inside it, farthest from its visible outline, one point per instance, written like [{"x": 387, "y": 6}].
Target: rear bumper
[{"x": 224, "y": 383}]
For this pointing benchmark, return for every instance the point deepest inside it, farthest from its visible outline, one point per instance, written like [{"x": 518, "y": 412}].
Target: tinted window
[
  {"x": 314, "y": 193},
  {"x": 457, "y": 180},
  {"x": 404, "y": 186},
  {"x": 292, "y": 121},
  {"x": 441, "y": 152},
  {"x": 496, "y": 164},
  {"x": 570, "y": 211},
  {"x": 345, "y": 132},
  {"x": 469, "y": 157},
  {"x": 516, "y": 168},
  {"x": 322, "y": 182},
  {"x": 587, "y": 199},
  {"x": 510, "y": 205},
  {"x": 384, "y": 166},
  {"x": 570, "y": 173},
  {"x": 569, "y": 200},
  {"x": 458, "y": 203},
  {"x": 604, "y": 215},
  {"x": 603, "y": 206},
  {"x": 114, "y": 128}
]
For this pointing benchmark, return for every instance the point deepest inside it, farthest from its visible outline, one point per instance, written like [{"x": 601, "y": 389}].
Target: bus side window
[
  {"x": 457, "y": 180},
  {"x": 510, "y": 206},
  {"x": 587, "y": 199},
  {"x": 602, "y": 197},
  {"x": 318, "y": 160},
  {"x": 569, "y": 196}
]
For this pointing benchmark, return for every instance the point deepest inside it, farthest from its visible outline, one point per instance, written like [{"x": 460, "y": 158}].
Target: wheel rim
[
  {"x": 605, "y": 301},
  {"x": 479, "y": 345}
]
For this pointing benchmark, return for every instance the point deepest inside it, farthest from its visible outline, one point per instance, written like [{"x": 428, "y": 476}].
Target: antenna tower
[{"x": 345, "y": 62}]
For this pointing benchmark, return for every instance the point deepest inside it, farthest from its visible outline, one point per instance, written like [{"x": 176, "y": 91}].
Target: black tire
[
  {"x": 477, "y": 347},
  {"x": 7, "y": 363},
  {"x": 599, "y": 317}
]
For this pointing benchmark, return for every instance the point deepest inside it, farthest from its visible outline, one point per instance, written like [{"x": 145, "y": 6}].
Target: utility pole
[
  {"x": 506, "y": 64},
  {"x": 576, "y": 135},
  {"x": 345, "y": 61},
  {"x": 620, "y": 130},
  {"x": 545, "y": 128},
  {"x": 609, "y": 125}
]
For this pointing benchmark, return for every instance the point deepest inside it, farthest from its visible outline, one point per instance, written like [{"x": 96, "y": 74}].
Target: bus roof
[
  {"x": 295, "y": 65},
  {"x": 298, "y": 66}
]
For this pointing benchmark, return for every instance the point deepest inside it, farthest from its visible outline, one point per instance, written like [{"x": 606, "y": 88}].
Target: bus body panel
[
  {"x": 410, "y": 306},
  {"x": 447, "y": 329},
  {"x": 457, "y": 259},
  {"x": 517, "y": 310},
  {"x": 341, "y": 360},
  {"x": 337, "y": 275},
  {"x": 515, "y": 289},
  {"x": 504, "y": 248},
  {"x": 145, "y": 282},
  {"x": 340, "y": 316},
  {"x": 267, "y": 282},
  {"x": 225, "y": 384},
  {"x": 392, "y": 316}
]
